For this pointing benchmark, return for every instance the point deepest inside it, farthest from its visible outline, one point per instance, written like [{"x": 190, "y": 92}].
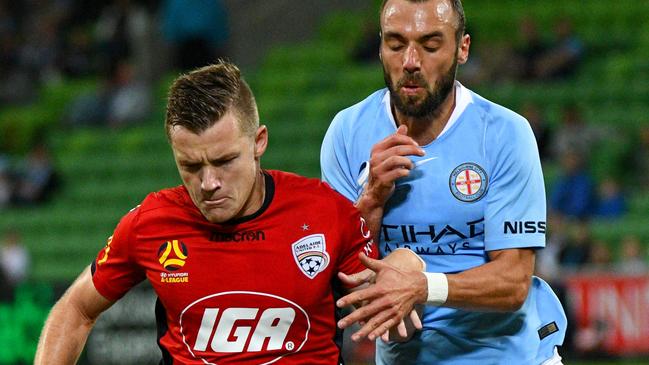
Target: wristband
[{"x": 437, "y": 288}]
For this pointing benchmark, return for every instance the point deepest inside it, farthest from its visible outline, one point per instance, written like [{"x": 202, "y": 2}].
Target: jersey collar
[
  {"x": 268, "y": 198},
  {"x": 463, "y": 98}
]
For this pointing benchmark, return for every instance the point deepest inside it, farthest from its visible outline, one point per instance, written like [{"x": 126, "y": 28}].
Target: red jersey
[{"x": 256, "y": 290}]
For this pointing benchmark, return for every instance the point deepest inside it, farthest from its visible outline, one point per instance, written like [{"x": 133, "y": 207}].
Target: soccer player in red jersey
[{"x": 243, "y": 260}]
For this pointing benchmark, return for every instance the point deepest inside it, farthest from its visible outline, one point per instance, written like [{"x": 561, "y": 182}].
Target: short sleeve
[
  {"x": 113, "y": 272},
  {"x": 334, "y": 162},
  {"x": 515, "y": 213},
  {"x": 355, "y": 238}
]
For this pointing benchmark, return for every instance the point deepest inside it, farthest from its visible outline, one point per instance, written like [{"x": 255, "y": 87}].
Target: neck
[
  {"x": 426, "y": 129},
  {"x": 257, "y": 194}
]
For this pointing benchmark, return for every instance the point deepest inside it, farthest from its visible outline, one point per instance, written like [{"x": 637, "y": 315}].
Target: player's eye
[
  {"x": 431, "y": 46},
  {"x": 191, "y": 167},
  {"x": 225, "y": 162},
  {"x": 395, "y": 45}
]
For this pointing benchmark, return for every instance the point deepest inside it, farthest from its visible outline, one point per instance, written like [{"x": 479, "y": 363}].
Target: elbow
[{"x": 518, "y": 296}]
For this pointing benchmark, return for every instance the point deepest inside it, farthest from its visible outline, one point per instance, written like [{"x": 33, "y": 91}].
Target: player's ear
[
  {"x": 463, "y": 49},
  {"x": 380, "y": 41},
  {"x": 261, "y": 140}
]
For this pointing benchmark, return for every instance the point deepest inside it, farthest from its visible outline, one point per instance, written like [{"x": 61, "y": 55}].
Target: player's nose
[
  {"x": 411, "y": 59},
  {"x": 210, "y": 179}
]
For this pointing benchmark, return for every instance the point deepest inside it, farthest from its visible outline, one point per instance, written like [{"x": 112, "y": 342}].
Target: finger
[
  {"x": 385, "y": 337},
  {"x": 405, "y": 150},
  {"x": 416, "y": 321},
  {"x": 380, "y": 329},
  {"x": 376, "y": 314},
  {"x": 362, "y": 314},
  {"x": 359, "y": 297},
  {"x": 403, "y": 129},
  {"x": 401, "y": 329},
  {"x": 376, "y": 326},
  {"x": 393, "y": 140},
  {"x": 372, "y": 264},
  {"x": 390, "y": 160},
  {"x": 386, "y": 176},
  {"x": 357, "y": 279},
  {"x": 380, "y": 156}
]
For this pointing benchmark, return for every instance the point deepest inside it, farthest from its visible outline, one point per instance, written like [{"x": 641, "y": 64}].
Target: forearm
[
  {"x": 372, "y": 212},
  {"x": 494, "y": 286},
  {"x": 63, "y": 336},
  {"x": 69, "y": 323}
]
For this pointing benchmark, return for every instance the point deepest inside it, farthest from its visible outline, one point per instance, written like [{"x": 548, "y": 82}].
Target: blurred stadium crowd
[{"x": 115, "y": 55}]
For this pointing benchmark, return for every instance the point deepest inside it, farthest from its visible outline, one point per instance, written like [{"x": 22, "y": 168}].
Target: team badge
[
  {"x": 310, "y": 254},
  {"x": 468, "y": 182}
]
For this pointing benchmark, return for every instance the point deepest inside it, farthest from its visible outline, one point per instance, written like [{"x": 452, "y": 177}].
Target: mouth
[
  {"x": 411, "y": 88},
  {"x": 214, "y": 203}
]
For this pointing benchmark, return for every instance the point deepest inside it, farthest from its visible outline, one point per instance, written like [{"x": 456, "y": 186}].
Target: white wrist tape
[{"x": 437, "y": 288}]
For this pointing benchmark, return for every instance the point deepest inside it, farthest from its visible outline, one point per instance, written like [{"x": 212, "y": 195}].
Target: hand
[
  {"x": 387, "y": 302},
  {"x": 358, "y": 280},
  {"x": 389, "y": 162},
  {"x": 407, "y": 327},
  {"x": 403, "y": 259}
]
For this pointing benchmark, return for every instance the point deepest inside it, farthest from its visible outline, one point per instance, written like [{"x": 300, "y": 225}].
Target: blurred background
[{"x": 82, "y": 96}]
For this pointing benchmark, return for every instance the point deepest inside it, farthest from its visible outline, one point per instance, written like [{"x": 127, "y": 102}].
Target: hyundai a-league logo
[
  {"x": 310, "y": 254},
  {"x": 172, "y": 255},
  {"x": 468, "y": 182}
]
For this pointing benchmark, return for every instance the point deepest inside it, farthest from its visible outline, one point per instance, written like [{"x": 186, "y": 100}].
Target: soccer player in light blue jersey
[{"x": 437, "y": 169}]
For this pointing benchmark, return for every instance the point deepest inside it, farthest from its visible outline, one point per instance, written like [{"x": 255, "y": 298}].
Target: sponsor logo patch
[
  {"x": 244, "y": 236},
  {"x": 243, "y": 327},
  {"x": 310, "y": 254},
  {"x": 172, "y": 255},
  {"x": 468, "y": 182},
  {"x": 547, "y": 330}
]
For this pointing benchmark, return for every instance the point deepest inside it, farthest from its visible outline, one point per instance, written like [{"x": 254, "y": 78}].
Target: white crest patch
[
  {"x": 468, "y": 182},
  {"x": 310, "y": 254}
]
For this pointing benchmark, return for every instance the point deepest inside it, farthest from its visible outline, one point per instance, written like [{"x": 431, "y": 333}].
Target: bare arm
[
  {"x": 388, "y": 162},
  {"x": 499, "y": 285},
  {"x": 69, "y": 323}
]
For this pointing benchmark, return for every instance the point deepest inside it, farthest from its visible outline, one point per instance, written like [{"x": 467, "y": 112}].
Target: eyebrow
[
  {"x": 429, "y": 36},
  {"x": 217, "y": 160},
  {"x": 225, "y": 157},
  {"x": 422, "y": 39}
]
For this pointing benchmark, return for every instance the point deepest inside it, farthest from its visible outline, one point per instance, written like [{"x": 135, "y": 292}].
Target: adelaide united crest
[{"x": 310, "y": 254}]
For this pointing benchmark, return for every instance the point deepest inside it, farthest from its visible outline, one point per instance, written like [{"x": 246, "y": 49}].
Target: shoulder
[
  {"x": 166, "y": 198},
  {"x": 351, "y": 117},
  {"x": 501, "y": 125},
  {"x": 288, "y": 182},
  {"x": 290, "y": 186},
  {"x": 497, "y": 115},
  {"x": 166, "y": 203},
  {"x": 355, "y": 129}
]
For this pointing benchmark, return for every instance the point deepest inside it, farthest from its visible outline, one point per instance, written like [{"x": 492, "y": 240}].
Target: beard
[{"x": 413, "y": 105}]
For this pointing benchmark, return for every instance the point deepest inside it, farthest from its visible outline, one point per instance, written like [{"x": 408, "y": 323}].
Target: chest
[
  {"x": 446, "y": 186},
  {"x": 198, "y": 268}
]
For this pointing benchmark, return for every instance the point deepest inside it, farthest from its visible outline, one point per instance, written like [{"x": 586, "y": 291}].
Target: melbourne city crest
[
  {"x": 468, "y": 182},
  {"x": 310, "y": 254}
]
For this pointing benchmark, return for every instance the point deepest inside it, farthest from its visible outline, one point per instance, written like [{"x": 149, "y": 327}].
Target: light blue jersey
[{"x": 478, "y": 188}]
